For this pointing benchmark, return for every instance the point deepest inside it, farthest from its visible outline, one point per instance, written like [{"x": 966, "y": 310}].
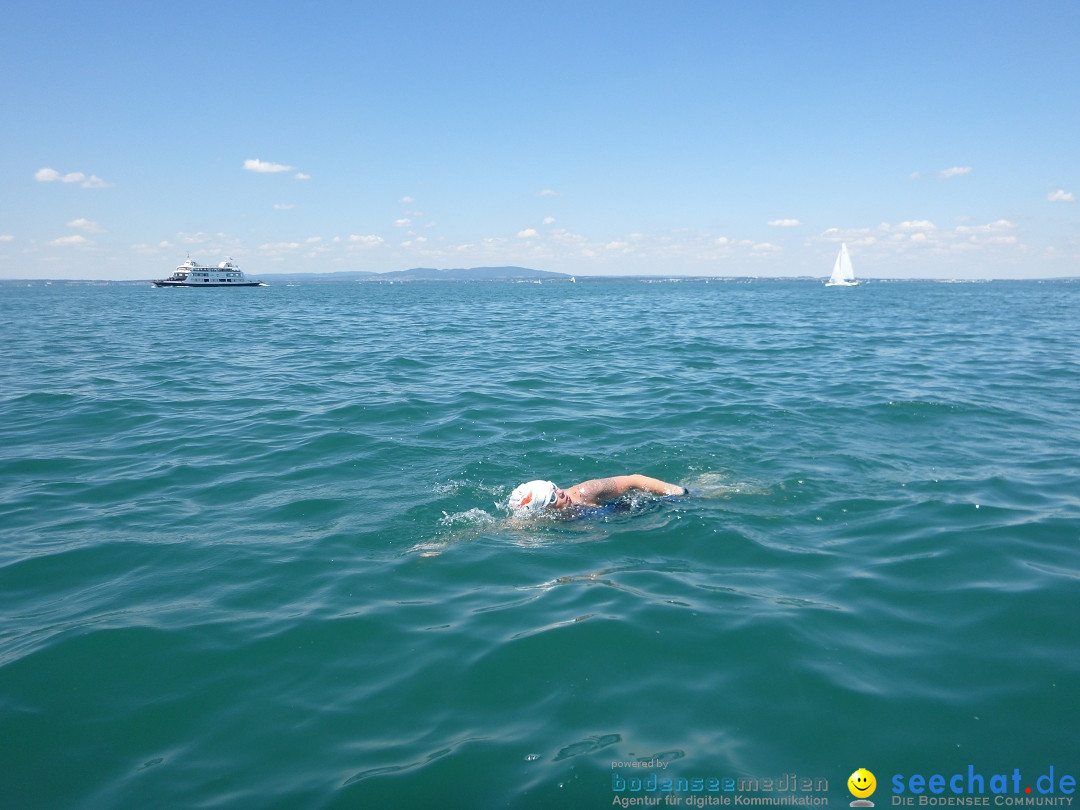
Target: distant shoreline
[
  {"x": 506, "y": 275},
  {"x": 271, "y": 280}
]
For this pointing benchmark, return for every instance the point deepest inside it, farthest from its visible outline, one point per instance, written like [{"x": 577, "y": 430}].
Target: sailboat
[{"x": 842, "y": 274}]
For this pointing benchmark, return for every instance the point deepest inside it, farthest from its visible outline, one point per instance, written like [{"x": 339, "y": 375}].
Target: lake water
[{"x": 254, "y": 550}]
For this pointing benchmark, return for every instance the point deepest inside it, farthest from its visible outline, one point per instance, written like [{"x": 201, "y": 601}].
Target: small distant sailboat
[{"x": 842, "y": 274}]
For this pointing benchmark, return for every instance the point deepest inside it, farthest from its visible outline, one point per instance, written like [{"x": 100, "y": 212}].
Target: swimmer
[{"x": 536, "y": 496}]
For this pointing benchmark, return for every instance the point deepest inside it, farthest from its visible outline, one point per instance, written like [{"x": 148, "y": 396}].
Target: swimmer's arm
[
  {"x": 656, "y": 486},
  {"x": 602, "y": 490}
]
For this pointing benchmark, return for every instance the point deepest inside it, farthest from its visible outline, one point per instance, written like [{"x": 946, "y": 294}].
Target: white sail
[{"x": 842, "y": 274}]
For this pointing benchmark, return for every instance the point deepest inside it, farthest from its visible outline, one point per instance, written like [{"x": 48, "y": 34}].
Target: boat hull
[{"x": 166, "y": 283}]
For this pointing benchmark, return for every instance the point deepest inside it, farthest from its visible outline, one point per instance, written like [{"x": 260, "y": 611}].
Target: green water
[{"x": 254, "y": 549}]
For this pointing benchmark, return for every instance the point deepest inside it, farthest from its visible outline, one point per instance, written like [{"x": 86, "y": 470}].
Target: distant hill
[
  {"x": 470, "y": 274},
  {"x": 416, "y": 274},
  {"x": 311, "y": 278}
]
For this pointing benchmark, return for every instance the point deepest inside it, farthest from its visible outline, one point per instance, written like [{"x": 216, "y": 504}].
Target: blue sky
[{"x": 938, "y": 139}]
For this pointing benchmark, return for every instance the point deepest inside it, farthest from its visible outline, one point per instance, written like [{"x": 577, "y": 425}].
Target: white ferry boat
[{"x": 193, "y": 274}]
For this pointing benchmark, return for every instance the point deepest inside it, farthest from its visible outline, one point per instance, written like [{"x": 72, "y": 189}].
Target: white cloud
[
  {"x": 256, "y": 165},
  {"x": 955, "y": 171},
  {"x": 47, "y": 175},
  {"x": 6, "y": 237},
  {"x": 1061, "y": 195},
  {"x": 65, "y": 241},
  {"x": 853, "y": 236},
  {"x": 279, "y": 246},
  {"x": 549, "y": 220},
  {"x": 283, "y": 206},
  {"x": 544, "y": 247},
  {"x": 312, "y": 239},
  {"x": 83, "y": 224},
  {"x": 369, "y": 240},
  {"x": 547, "y": 192},
  {"x": 916, "y": 225},
  {"x": 407, "y": 200},
  {"x": 402, "y": 223},
  {"x": 302, "y": 176},
  {"x": 193, "y": 238},
  {"x": 992, "y": 227},
  {"x": 785, "y": 223},
  {"x": 923, "y": 237}
]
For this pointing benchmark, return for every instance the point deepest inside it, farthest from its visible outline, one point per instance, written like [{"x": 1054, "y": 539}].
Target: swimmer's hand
[{"x": 657, "y": 487}]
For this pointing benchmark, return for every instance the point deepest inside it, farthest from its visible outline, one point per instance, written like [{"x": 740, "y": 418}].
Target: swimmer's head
[{"x": 533, "y": 497}]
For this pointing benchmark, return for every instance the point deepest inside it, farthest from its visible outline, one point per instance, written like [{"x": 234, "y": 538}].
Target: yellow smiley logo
[{"x": 862, "y": 783}]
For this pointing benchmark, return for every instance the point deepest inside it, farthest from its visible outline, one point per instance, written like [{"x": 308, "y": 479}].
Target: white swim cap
[{"x": 535, "y": 496}]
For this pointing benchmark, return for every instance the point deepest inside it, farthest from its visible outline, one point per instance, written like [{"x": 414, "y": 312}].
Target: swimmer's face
[{"x": 562, "y": 500}]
